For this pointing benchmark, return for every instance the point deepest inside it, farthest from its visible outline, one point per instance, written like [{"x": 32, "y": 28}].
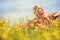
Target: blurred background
[{"x": 22, "y": 9}]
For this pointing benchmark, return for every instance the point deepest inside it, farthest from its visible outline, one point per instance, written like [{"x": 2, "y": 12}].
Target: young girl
[{"x": 41, "y": 17}]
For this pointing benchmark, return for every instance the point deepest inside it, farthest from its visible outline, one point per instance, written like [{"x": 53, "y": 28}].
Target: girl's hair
[{"x": 35, "y": 8}]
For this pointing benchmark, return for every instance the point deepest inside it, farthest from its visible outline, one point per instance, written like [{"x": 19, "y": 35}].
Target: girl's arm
[{"x": 54, "y": 15}]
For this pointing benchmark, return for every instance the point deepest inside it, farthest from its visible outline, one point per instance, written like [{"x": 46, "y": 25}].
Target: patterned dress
[{"x": 44, "y": 20}]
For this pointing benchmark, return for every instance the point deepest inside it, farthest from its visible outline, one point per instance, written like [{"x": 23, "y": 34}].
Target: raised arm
[{"x": 54, "y": 15}]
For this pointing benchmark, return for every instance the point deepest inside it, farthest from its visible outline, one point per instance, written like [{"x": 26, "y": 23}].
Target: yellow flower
[
  {"x": 26, "y": 38},
  {"x": 5, "y": 25},
  {"x": 17, "y": 29},
  {"x": 32, "y": 25},
  {"x": 4, "y": 35},
  {"x": 47, "y": 35},
  {"x": 26, "y": 28},
  {"x": 16, "y": 21},
  {"x": 56, "y": 33},
  {"x": 36, "y": 29},
  {"x": 55, "y": 22},
  {"x": 2, "y": 20}
]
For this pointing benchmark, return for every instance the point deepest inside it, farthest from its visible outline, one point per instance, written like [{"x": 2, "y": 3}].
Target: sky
[{"x": 19, "y": 8}]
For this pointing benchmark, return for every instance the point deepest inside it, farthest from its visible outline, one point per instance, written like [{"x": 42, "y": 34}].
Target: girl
[{"x": 41, "y": 17}]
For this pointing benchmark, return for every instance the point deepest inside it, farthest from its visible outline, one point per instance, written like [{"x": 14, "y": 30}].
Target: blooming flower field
[{"x": 12, "y": 31}]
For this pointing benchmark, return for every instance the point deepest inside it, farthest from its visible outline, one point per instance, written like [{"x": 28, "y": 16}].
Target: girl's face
[{"x": 40, "y": 11}]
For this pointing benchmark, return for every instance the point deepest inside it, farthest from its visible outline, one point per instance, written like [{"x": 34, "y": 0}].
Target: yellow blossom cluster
[{"x": 31, "y": 32}]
